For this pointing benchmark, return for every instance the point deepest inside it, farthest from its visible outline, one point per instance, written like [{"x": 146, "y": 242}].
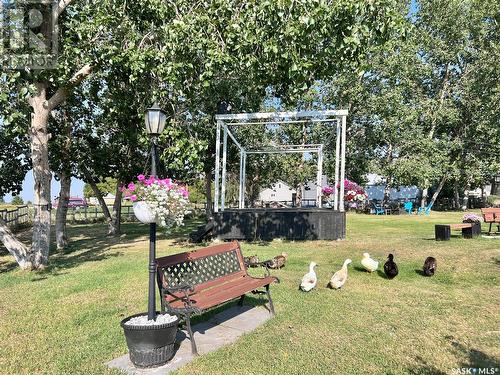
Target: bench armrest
[
  {"x": 188, "y": 303},
  {"x": 181, "y": 288}
]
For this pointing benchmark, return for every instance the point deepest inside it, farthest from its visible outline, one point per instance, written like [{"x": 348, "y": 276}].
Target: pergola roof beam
[
  {"x": 280, "y": 121},
  {"x": 296, "y": 150},
  {"x": 282, "y": 115}
]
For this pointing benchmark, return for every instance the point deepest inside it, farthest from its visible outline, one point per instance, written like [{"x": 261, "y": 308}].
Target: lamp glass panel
[
  {"x": 161, "y": 121},
  {"x": 154, "y": 119}
]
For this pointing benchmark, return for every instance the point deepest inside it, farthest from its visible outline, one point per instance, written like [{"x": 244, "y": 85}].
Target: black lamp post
[{"x": 155, "y": 119}]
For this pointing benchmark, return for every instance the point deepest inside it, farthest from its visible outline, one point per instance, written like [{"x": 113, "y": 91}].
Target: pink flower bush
[
  {"x": 352, "y": 192},
  {"x": 328, "y": 190},
  {"x": 167, "y": 199}
]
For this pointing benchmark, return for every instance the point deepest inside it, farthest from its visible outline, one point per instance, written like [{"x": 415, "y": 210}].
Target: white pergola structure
[{"x": 279, "y": 118}]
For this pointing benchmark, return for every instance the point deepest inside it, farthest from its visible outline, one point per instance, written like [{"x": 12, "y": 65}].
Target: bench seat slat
[
  {"x": 224, "y": 293},
  {"x": 460, "y": 226}
]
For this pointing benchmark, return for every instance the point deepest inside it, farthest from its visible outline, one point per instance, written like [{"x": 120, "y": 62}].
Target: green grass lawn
[{"x": 65, "y": 320}]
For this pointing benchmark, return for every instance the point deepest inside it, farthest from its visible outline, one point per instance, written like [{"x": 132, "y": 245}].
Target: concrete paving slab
[{"x": 222, "y": 329}]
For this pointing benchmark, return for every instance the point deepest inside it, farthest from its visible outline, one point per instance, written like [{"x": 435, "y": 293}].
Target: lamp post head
[{"x": 155, "y": 119}]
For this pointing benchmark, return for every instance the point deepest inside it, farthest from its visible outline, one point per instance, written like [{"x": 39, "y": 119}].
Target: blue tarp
[{"x": 402, "y": 192}]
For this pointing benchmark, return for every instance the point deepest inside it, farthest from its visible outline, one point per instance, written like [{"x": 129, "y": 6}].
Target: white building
[
  {"x": 278, "y": 192},
  {"x": 282, "y": 192},
  {"x": 108, "y": 198}
]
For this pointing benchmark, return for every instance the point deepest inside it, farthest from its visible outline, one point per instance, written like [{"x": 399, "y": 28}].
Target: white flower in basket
[{"x": 158, "y": 200}]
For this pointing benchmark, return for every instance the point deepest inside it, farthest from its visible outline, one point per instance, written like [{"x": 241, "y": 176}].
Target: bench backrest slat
[
  {"x": 490, "y": 214},
  {"x": 202, "y": 268}
]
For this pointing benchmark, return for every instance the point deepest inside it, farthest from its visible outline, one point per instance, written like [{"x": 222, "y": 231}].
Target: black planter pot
[
  {"x": 472, "y": 232},
  {"x": 150, "y": 346}
]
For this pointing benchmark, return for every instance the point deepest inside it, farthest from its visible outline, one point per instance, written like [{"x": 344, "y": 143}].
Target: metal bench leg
[
  {"x": 240, "y": 302},
  {"x": 162, "y": 301},
  {"x": 271, "y": 306},
  {"x": 194, "y": 350}
]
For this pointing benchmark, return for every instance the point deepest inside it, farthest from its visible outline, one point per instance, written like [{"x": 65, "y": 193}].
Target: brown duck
[
  {"x": 277, "y": 262},
  {"x": 251, "y": 261}
]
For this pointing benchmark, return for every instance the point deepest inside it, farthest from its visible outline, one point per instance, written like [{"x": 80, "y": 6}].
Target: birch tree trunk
[
  {"x": 100, "y": 198},
  {"x": 438, "y": 190},
  {"x": 456, "y": 196},
  {"x": 388, "y": 182},
  {"x": 42, "y": 177},
  {"x": 465, "y": 204},
  {"x": 113, "y": 221},
  {"x": 114, "y": 226},
  {"x": 62, "y": 210},
  {"x": 16, "y": 248},
  {"x": 65, "y": 180}
]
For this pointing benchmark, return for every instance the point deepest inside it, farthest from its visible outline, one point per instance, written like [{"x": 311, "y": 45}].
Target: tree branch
[
  {"x": 61, "y": 6},
  {"x": 62, "y": 93}
]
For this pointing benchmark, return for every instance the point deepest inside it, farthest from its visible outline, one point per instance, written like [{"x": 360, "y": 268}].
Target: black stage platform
[{"x": 264, "y": 224}]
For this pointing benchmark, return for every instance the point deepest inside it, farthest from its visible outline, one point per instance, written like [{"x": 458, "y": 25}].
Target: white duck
[
  {"x": 369, "y": 263},
  {"x": 309, "y": 280},
  {"x": 340, "y": 277}
]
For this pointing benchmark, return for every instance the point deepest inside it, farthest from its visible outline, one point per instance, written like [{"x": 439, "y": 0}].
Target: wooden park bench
[
  {"x": 491, "y": 216},
  {"x": 469, "y": 230},
  {"x": 195, "y": 281}
]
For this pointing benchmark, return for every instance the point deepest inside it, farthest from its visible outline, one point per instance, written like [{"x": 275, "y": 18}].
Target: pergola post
[
  {"x": 337, "y": 164},
  {"x": 319, "y": 178},
  {"x": 224, "y": 161},
  {"x": 342, "y": 164},
  {"x": 243, "y": 179},
  {"x": 217, "y": 166},
  {"x": 241, "y": 194}
]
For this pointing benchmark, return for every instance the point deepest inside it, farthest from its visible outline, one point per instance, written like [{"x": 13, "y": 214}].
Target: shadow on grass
[
  {"x": 421, "y": 367},
  {"x": 250, "y": 301},
  {"x": 90, "y": 243},
  {"x": 475, "y": 358},
  {"x": 382, "y": 274},
  {"x": 360, "y": 269},
  {"x": 420, "y": 272},
  {"x": 7, "y": 266}
]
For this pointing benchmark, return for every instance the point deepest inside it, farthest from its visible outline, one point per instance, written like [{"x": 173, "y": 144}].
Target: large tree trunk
[
  {"x": 42, "y": 177},
  {"x": 113, "y": 221},
  {"x": 456, "y": 196},
  {"x": 208, "y": 194},
  {"x": 62, "y": 210},
  {"x": 298, "y": 195},
  {"x": 438, "y": 190},
  {"x": 425, "y": 195},
  {"x": 65, "y": 180},
  {"x": 465, "y": 204},
  {"x": 114, "y": 226},
  {"x": 89, "y": 180},
  {"x": 16, "y": 248},
  {"x": 495, "y": 187}
]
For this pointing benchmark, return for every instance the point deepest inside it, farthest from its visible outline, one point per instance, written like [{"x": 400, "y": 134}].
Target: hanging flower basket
[
  {"x": 143, "y": 212},
  {"x": 160, "y": 201}
]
